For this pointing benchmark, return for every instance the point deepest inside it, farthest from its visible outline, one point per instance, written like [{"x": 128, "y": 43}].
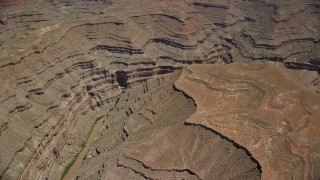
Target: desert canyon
[{"x": 160, "y": 89}]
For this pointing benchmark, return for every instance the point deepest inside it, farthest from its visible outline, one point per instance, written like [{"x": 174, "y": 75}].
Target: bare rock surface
[
  {"x": 281, "y": 31},
  {"x": 145, "y": 137},
  {"x": 65, "y": 63},
  {"x": 275, "y": 117}
]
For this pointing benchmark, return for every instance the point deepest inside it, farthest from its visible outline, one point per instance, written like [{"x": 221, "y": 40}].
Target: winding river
[{"x": 79, "y": 159}]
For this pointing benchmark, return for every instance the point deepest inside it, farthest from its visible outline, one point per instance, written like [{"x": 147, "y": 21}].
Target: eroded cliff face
[
  {"x": 145, "y": 137},
  {"x": 281, "y": 31},
  {"x": 275, "y": 117},
  {"x": 65, "y": 63}
]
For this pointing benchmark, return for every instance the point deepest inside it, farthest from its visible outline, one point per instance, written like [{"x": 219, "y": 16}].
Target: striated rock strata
[
  {"x": 263, "y": 107},
  {"x": 281, "y": 31},
  {"x": 145, "y": 137},
  {"x": 65, "y": 63}
]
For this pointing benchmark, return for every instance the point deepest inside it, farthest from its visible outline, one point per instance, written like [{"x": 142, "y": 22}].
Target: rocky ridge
[
  {"x": 276, "y": 118},
  {"x": 145, "y": 137},
  {"x": 64, "y": 63}
]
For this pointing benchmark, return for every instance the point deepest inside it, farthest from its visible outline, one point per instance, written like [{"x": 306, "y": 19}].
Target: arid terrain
[{"x": 160, "y": 89}]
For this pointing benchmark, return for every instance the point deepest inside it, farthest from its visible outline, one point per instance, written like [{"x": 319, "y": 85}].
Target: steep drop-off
[
  {"x": 62, "y": 63},
  {"x": 65, "y": 63},
  {"x": 275, "y": 117},
  {"x": 145, "y": 137},
  {"x": 281, "y": 31}
]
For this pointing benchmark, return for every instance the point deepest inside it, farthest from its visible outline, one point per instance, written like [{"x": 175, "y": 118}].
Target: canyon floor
[{"x": 160, "y": 89}]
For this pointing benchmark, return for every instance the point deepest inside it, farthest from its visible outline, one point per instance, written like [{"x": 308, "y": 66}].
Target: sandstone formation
[
  {"x": 275, "y": 117},
  {"x": 145, "y": 137},
  {"x": 281, "y": 31},
  {"x": 65, "y": 63}
]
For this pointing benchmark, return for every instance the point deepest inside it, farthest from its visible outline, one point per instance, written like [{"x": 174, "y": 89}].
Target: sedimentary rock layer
[
  {"x": 282, "y": 31},
  {"x": 11, "y": 2},
  {"x": 62, "y": 63},
  {"x": 145, "y": 137},
  {"x": 65, "y": 63},
  {"x": 263, "y": 107}
]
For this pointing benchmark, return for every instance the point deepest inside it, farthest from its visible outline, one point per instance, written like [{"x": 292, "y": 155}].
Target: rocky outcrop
[
  {"x": 65, "y": 63},
  {"x": 268, "y": 30},
  {"x": 275, "y": 117},
  {"x": 145, "y": 137}
]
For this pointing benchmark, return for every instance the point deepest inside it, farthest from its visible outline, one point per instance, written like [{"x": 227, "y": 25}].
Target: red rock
[{"x": 264, "y": 108}]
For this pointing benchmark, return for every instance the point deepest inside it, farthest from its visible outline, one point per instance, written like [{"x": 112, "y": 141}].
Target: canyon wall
[
  {"x": 65, "y": 63},
  {"x": 276, "y": 118}
]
